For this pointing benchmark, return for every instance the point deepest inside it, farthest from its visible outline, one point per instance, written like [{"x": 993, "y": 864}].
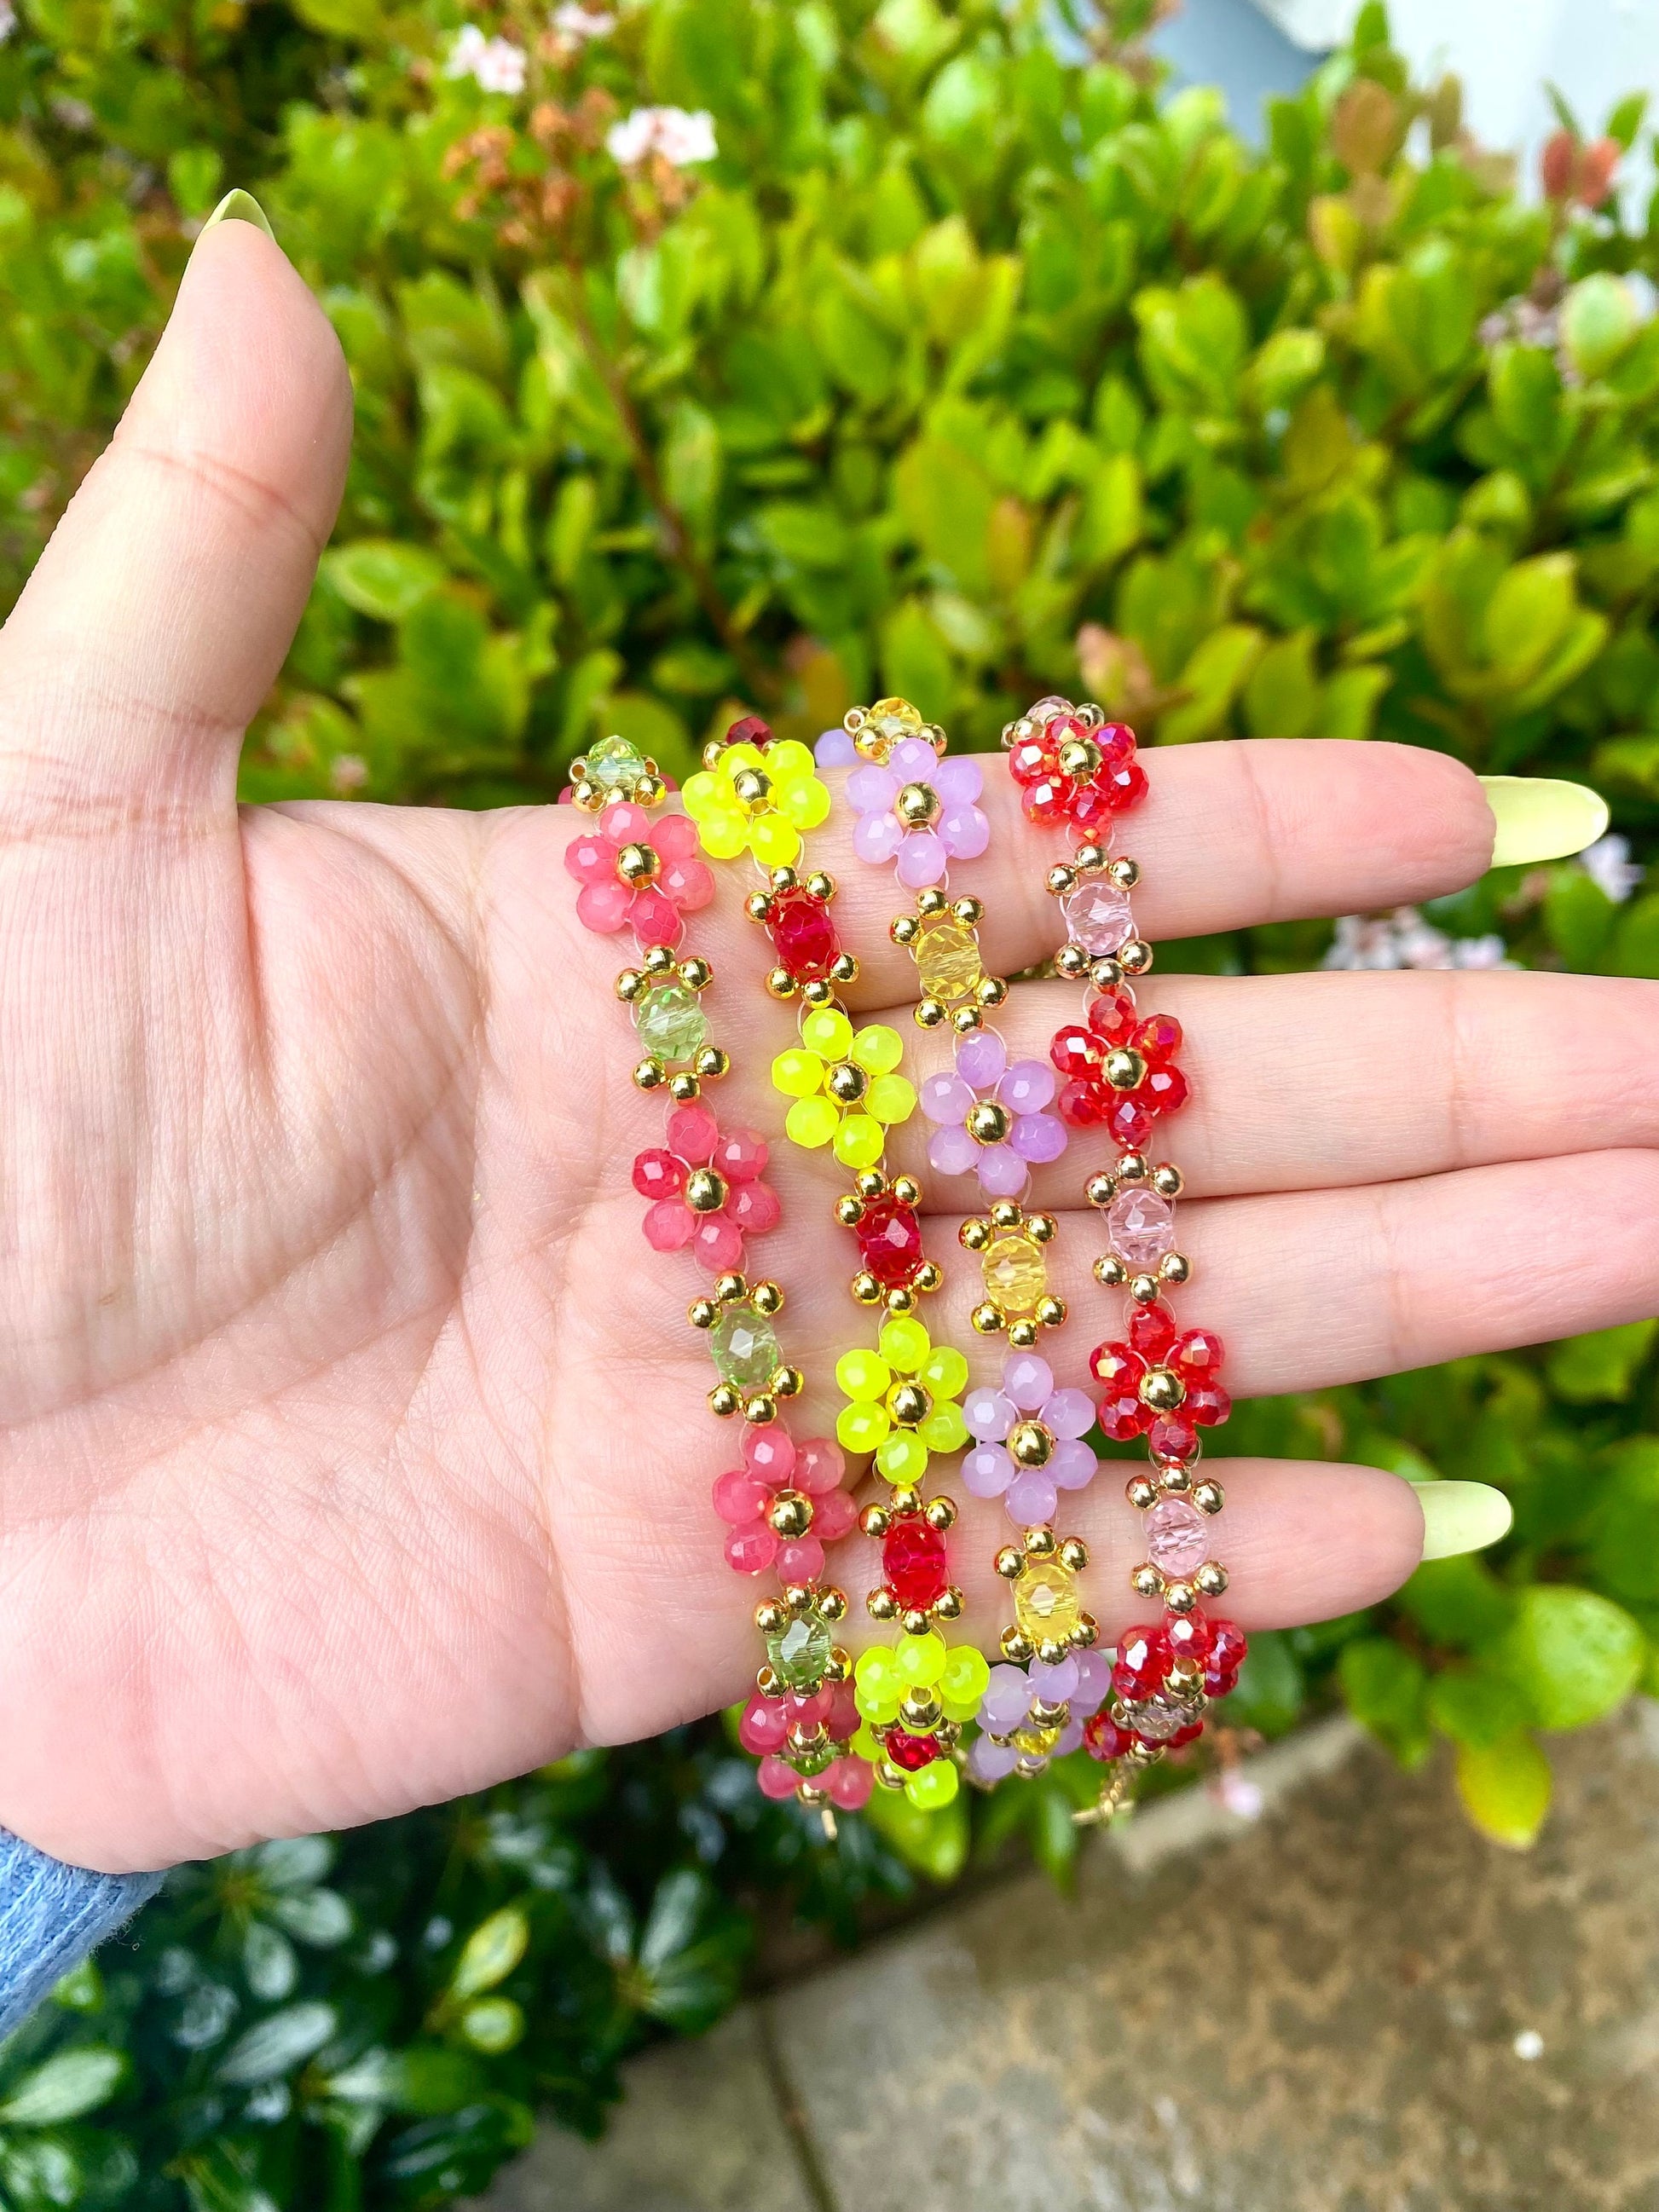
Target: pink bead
[
  {"x": 833, "y": 1516},
  {"x": 849, "y": 1782},
  {"x": 693, "y": 1133},
  {"x": 740, "y": 1498},
  {"x": 801, "y": 1561},
  {"x": 676, "y": 837},
  {"x": 752, "y": 1550},
  {"x": 1141, "y": 1227},
  {"x": 658, "y": 1174},
  {"x": 669, "y": 1225},
  {"x": 1029, "y": 1381},
  {"x": 589, "y": 860},
  {"x": 719, "y": 1244},
  {"x": 755, "y": 1207},
  {"x": 1097, "y": 915},
  {"x": 820, "y": 1466},
  {"x": 604, "y": 906},
  {"x": 656, "y": 920},
  {"x": 769, "y": 1455},
  {"x": 764, "y": 1725},
  {"x": 876, "y": 837},
  {"x": 741, "y": 1156},
  {"x": 775, "y": 1779},
  {"x": 690, "y": 883},
  {"x": 923, "y": 860},
  {"x": 1176, "y": 1539},
  {"x": 1030, "y": 1498},
  {"x": 945, "y": 1096},
  {"x": 625, "y": 824},
  {"x": 843, "y": 1714}
]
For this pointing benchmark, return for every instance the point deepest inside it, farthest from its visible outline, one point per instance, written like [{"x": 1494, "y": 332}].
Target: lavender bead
[
  {"x": 988, "y": 1414},
  {"x": 1039, "y": 1138},
  {"x": 1029, "y": 1381},
  {"x": 1031, "y": 1499},
  {"x": 981, "y": 1059},
  {"x": 1028, "y": 1086},
  {"x": 952, "y": 1151},
  {"x": 992, "y": 1762},
  {"x": 1054, "y": 1685},
  {"x": 987, "y": 1471},
  {"x": 835, "y": 749},
  {"x": 1074, "y": 1465},
  {"x": 1069, "y": 1413},
  {"x": 1006, "y": 1701},
  {"x": 1002, "y": 1170}
]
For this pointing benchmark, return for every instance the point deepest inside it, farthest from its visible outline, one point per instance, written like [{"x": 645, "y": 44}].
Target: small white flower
[
  {"x": 1608, "y": 864},
  {"x": 1528, "y": 2044},
  {"x": 679, "y": 138},
  {"x": 580, "y": 23},
  {"x": 8, "y": 20},
  {"x": 1404, "y": 939},
  {"x": 1237, "y": 1794},
  {"x": 497, "y": 63}
]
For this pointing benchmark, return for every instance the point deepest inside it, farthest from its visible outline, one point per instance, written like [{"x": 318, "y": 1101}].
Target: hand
[{"x": 353, "y": 1446}]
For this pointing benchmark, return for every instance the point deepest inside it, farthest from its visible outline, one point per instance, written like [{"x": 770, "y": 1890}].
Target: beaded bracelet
[
  {"x": 1077, "y": 771},
  {"x": 707, "y": 1192}
]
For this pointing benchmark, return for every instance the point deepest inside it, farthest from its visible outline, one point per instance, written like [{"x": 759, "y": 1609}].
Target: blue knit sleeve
[{"x": 52, "y": 1916}]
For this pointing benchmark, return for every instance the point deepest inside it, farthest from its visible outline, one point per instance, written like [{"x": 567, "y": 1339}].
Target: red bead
[
  {"x": 1172, "y": 1436},
  {"x": 1126, "y": 787},
  {"x": 1198, "y": 1352},
  {"x": 1092, "y": 808},
  {"x": 1122, "y": 1417},
  {"x": 1228, "y": 1645},
  {"x": 1190, "y": 1734},
  {"x": 1112, "y": 1016},
  {"x": 1164, "y": 1089},
  {"x": 1117, "y": 1366},
  {"x": 1219, "y": 1681},
  {"x": 764, "y": 1725},
  {"x": 1116, "y": 741},
  {"x": 912, "y": 1561},
  {"x": 1084, "y": 1103},
  {"x": 1104, "y": 1738},
  {"x": 1031, "y": 759},
  {"x": 658, "y": 1174},
  {"x": 803, "y": 933},
  {"x": 1144, "y": 1654},
  {"x": 717, "y": 1244},
  {"x": 755, "y": 1207},
  {"x": 1049, "y": 800},
  {"x": 801, "y": 1561},
  {"x": 1207, "y": 1405},
  {"x": 1152, "y": 1331},
  {"x": 1129, "y": 1121},
  {"x": 655, "y": 919},
  {"x": 1189, "y": 1634},
  {"x": 750, "y": 730},
  {"x": 910, "y": 1751},
  {"x": 833, "y": 1516},
  {"x": 740, "y": 1498},
  {"x": 1075, "y": 1051},
  {"x": 890, "y": 1242},
  {"x": 775, "y": 1779},
  {"x": 1158, "y": 1036}
]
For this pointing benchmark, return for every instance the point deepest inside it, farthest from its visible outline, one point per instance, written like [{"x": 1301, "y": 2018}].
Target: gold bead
[
  {"x": 1042, "y": 1228},
  {"x": 1174, "y": 1478},
  {"x": 905, "y": 930},
  {"x": 1185, "y": 1675},
  {"x": 1168, "y": 1180},
  {"x": 727, "y": 1287},
  {"x": 1124, "y": 1068},
  {"x": 844, "y": 968},
  {"x": 930, "y": 1013},
  {"x": 781, "y": 984},
  {"x": 1087, "y": 1634},
  {"x": 1175, "y": 1268},
  {"x": 1135, "y": 957},
  {"x": 1211, "y": 1578},
  {"x": 891, "y": 1777},
  {"x": 1146, "y": 1582},
  {"x": 915, "y": 1622},
  {"x": 974, "y": 1235},
  {"x": 969, "y": 912},
  {"x": 966, "y": 1020},
  {"x": 1022, "y": 1333},
  {"x": 881, "y": 1604},
  {"x": 724, "y": 1400},
  {"x": 921, "y": 1712},
  {"x": 702, "y": 1312},
  {"x": 1010, "y": 1563},
  {"x": 907, "y": 1190},
  {"x": 1074, "y": 1554},
  {"x": 1048, "y": 1715},
  {"x": 1029, "y": 1445},
  {"x": 1061, "y": 880},
  {"x": 818, "y": 992},
  {"x": 866, "y": 1289},
  {"x": 986, "y": 1319},
  {"x": 790, "y": 1513},
  {"x": 847, "y": 1081},
  {"x": 1080, "y": 757},
  {"x": 684, "y": 1088},
  {"x": 752, "y": 785},
  {"x": 1144, "y": 1289},
  {"x": 798, "y": 1596},
  {"x": 875, "y": 1520},
  {"x": 782, "y": 879},
  {"x": 821, "y": 884},
  {"x": 988, "y": 1122},
  {"x": 1051, "y": 1649},
  {"x": 712, "y": 751},
  {"x": 1101, "y": 1189},
  {"x": 1162, "y": 1390},
  {"x": 705, "y": 1190},
  {"x": 1209, "y": 1497},
  {"x": 758, "y": 905},
  {"x": 1071, "y": 961},
  {"x": 940, "y": 1513},
  {"x": 1040, "y": 1543},
  {"x": 1089, "y": 858},
  {"x": 788, "y": 1383},
  {"x": 1125, "y": 873},
  {"x": 769, "y": 1617},
  {"x": 768, "y": 1680},
  {"x": 900, "y": 1299},
  {"x": 637, "y": 864},
  {"x": 660, "y": 960},
  {"x": 1017, "y": 1646},
  {"x": 928, "y": 1276},
  {"x": 849, "y": 1211},
  {"x": 1180, "y": 1597},
  {"x": 712, "y": 1062},
  {"x": 832, "y": 1606},
  {"x": 760, "y": 1409},
  {"x": 1051, "y": 1312},
  {"x": 948, "y": 1605},
  {"x": 1106, "y": 973},
  {"x": 917, "y": 805},
  {"x": 907, "y": 1498},
  {"x": 871, "y": 1182},
  {"x": 1138, "y": 1753},
  {"x": 1142, "y": 1492},
  {"x": 648, "y": 1074},
  {"x": 908, "y": 1404},
  {"x": 806, "y": 1736},
  {"x": 991, "y": 991},
  {"x": 932, "y": 901},
  {"x": 629, "y": 984},
  {"x": 767, "y": 1296},
  {"x": 1110, "y": 1270}
]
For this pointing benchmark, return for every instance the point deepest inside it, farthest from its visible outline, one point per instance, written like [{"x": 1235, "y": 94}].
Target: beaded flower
[
  {"x": 1119, "y": 1072},
  {"x": 632, "y": 872},
  {"x": 913, "y": 1701},
  {"x": 1029, "y": 1440},
  {"x": 1072, "y": 770},
  {"x": 1018, "y": 1731},
  {"x": 845, "y": 1091},
  {"x": 758, "y": 801},
  {"x": 784, "y": 1504},
  {"x": 918, "y": 812},
  {"x": 991, "y": 1116},
  {"x": 902, "y": 1400},
  {"x": 1160, "y": 1384},
  {"x": 707, "y": 1188},
  {"x": 614, "y": 770}
]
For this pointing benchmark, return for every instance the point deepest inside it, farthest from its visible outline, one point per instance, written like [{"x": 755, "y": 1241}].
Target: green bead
[
  {"x": 800, "y": 1652},
  {"x": 671, "y": 1021},
  {"x": 745, "y": 1347},
  {"x": 613, "y": 764},
  {"x": 934, "y": 1787},
  {"x": 901, "y": 1458},
  {"x": 862, "y": 1373},
  {"x": 963, "y": 1683},
  {"x": 922, "y": 1659}
]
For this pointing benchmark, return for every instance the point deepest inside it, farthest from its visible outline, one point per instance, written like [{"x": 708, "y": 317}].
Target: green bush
[{"x": 962, "y": 370}]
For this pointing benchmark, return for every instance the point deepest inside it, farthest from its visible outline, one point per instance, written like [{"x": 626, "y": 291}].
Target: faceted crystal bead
[
  {"x": 614, "y": 763},
  {"x": 912, "y": 1561},
  {"x": 910, "y": 1751},
  {"x": 1045, "y": 1600},
  {"x": 1098, "y": 917},
  {"x": 1141, "y": 1226},
  {"x": 1158, "y": 1718},
  {"x": 671, "y": 1021},
  {"x": 745, "y": 1347},
  {"x": 947, "y": 956},
  {"x": 889, "y": 721},
  {"x": 1037, "y": 1742},
  {"x": 1177, "y": 1540},
  {"x": 799, "y": 1652},
  {"x": 1015, "y": 1272},
  {"x": 803, "y": 934},
  {"x": 890, "y": 1242}
]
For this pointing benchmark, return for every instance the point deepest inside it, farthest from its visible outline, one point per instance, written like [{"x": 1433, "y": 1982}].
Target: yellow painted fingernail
[
  {"x": 238, "y": 206},
  {"x": 1462, "y": 1516},
  {"x": 1540, "y": 818}
]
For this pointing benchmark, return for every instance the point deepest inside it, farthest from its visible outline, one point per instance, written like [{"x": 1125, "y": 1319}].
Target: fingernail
[
  {"x": 1462, "y": 1516},
  {"x": 239, "y": 206},
  {"x": 1539, "y": 818}
]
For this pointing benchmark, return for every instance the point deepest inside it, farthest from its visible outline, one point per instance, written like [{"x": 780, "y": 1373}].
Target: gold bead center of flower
[
  {"x": 909, "y": 1405},
  {"x": 918, "y": 805},
  {"x": 847, "y": 1082},
  {"x": 1030, "y": 1444},
  {"x": 988, "y": 1122}
]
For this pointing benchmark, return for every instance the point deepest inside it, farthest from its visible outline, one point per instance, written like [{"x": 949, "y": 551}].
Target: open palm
[{"x": 353, "y": 1448}]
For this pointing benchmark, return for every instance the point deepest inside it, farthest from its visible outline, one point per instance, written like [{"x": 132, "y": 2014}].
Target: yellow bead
[
  {"x": 827, "y": 1032},
  {"x": 948, "y": 963},
  {"x": 774, "y": 840},
  {"x": 922, "y": 1659},
  {"x": 1045, "y": 1600},
  {"x": 891, "y": 720},
  {"x": 797, "y": 1074},
  {"x": 932, "y": 1787},
  {"x": 858, "y": 1142},
  {"x": 861, "y": 1374},
  {"x": 944, "y": 1430},
  {"x": 807, "y": 804},
  {"x": 878, "y": 1049},
  {"x": 944, "y": 1372},
  {"x": 867, "y": 1746},
  {"x": 901, "y": 1457},
  {"x": 892, "y": 1098},
  {"x": 698, "y": 792},
  {"x": 1038, "y": 1741},
  {"x": 813, "y": 1122},
  {"x": 1015, "y": 1273},
  {"x": 788, "y": 762},
  {"x": 860, "y": 1427},
  {"x": 722, "y": 834},
  {"x": 966, "y": 1678},
  {"x": 736, "y": 758},
  {"x": 904, "y": 1343}
]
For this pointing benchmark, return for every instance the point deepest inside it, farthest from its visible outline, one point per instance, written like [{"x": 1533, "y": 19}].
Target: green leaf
[
  {"x": 194, "y": 176},
  {"x": 318, "y": 1917},
  {"x": 1477, "y": 1706},
  {"x": 65, "y": 2087},
  {"x": 1211, "y": 681},
  {"x": 490, "y": 1953},
  {"x": 1281, "y": 698},
  {"x": 935, "y": 1843},
  {"x": 1622, "y": 1553},
  {"x": 1598, "y": 321},
  {"x": 1459, "y": 1602},
  {"x": 1601, "y": 1365},
  {"x": 1573, "y": 1654},
  {"x": 278, "y": 2044},
  {"x": 1636, "y": 942},
  {"x": 492, "y": 2024},
  {"x": 1505, "y": 1789},
  {"x": 1385, "y": 1687},
  {"x": 1580, "y": 918},
  {"x": 345, "y": 19},
  {"x": 1271, "y": 1691},
  {"x": 381, "y": 577},
  {"x": 946, "y": 501}
]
